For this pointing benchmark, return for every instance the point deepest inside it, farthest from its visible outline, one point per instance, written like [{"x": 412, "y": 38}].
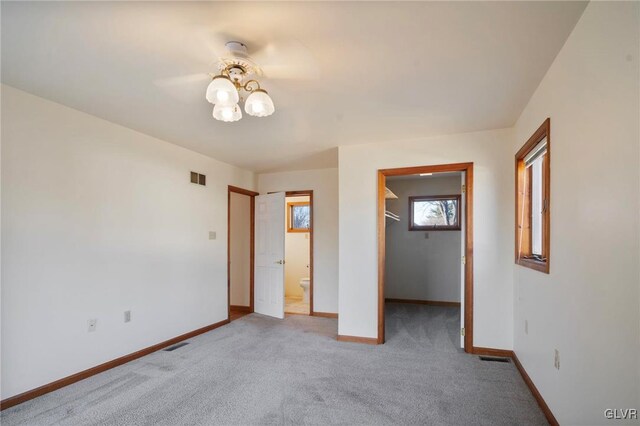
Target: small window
[
  {"x": 434, "y": 213},
  {"x": 298, "y": 217},
  {"x": 532, "y": 203}
]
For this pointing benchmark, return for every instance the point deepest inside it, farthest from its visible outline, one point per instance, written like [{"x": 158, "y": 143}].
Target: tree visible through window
[
  {"x": 298, "y": 217},
  {"x": 434, "y": 213}
]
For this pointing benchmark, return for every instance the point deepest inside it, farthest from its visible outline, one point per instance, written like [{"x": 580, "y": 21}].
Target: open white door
[{"x": 269, "y": 255}]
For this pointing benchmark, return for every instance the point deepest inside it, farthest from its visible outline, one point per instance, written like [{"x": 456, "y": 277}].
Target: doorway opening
[
  {"x": 298, "y": 266},
  {"x": 428, "y": 271},
  {"x": 240, "y": 251}
]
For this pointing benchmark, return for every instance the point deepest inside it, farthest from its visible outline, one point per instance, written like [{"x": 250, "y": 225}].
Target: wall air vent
[
  {"x": 174, "y": 347},
  {"x": 198, "y": 179}
]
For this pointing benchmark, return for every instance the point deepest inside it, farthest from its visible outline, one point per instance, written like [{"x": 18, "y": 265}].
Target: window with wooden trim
[
  {"x": 533, "y": 202},
  {"x": 434, "y": 213},
  {"x": 298, "y": 216}
]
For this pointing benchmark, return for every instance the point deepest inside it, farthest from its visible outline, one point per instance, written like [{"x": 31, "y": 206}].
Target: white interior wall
[
  {"x": 587, "y": 307},
  {"x": 324, "y": 183},
  {"x": 493, "y": 233},
  {"x": 98, "y": 219},
  {"x": 416, "y": 267},
  {"x": 240, "y": 249}
]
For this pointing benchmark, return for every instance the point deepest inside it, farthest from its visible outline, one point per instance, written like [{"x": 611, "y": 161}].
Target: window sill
[
  {"x": 538, "y": 265},
  {"x": 434, "y": 228}
]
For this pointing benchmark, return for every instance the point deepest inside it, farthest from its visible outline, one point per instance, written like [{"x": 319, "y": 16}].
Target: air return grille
[
  {"x": 177, "y": 346},
  {"x": 494, "y": 359}
]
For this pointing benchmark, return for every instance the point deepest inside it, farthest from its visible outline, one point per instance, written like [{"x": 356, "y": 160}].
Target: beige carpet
[{"x": 264, "y": 371}]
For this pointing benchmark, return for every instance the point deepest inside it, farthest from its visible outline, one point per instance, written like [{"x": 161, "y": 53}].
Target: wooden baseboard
[
  {"x": 534, "y": 391},
  {"x": 357, "y": 339},
  {"x": 536, "y": 394},
  {"x": 505, "y": 353},
  {"x": 240, "y": 308},
  {"x": 66, "y": 381},
  {"x": 424, "y": 302},
  {"x": 325, "y": 314}
]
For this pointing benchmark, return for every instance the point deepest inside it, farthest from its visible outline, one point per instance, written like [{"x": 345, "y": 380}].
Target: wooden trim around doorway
[
  {"x": 468, "y": 238},
  {"x": 252, "y": 236}
]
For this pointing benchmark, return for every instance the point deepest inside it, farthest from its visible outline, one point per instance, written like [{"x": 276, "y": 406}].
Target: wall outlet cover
[
  {"x": 127, "y": 316},
  {"x": 212, "y": 235},
  {"x": 92, "y": 324}
]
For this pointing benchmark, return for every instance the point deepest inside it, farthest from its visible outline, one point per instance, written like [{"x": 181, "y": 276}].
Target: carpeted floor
[{"x": 259, "y": 370}]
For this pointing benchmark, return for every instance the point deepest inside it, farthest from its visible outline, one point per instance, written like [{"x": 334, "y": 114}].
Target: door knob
[{"x": 280, "y": 262}]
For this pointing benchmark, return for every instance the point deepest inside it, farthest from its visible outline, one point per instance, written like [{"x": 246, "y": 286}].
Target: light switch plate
[
  {"x": 92, "y": 324},
  {"x": 212, "y": 235}
]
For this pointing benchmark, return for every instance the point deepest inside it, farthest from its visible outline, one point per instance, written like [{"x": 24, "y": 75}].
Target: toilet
[{"x": 304, "y": 283}]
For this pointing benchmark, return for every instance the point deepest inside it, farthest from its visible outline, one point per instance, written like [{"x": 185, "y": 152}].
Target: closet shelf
[{"x": 389, "y": 195}]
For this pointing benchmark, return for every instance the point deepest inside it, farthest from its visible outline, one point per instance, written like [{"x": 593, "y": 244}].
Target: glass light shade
[
  {"x": 222, "y": 91},
  {"x": 227, "y": 113},
  {"x": 259, "y": 104}
]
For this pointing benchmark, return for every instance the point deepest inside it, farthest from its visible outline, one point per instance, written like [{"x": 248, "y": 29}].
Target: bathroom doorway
[{"x": 298, "y": 266}]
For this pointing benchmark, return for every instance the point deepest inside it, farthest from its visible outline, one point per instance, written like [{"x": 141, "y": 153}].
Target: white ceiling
[{"x": 385, "y": 70}]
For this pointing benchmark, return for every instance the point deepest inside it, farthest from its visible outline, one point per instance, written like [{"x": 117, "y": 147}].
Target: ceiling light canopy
[{"x": 224, "y": 89}]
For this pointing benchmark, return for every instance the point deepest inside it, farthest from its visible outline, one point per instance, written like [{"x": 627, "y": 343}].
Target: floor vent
[
  {"x": 494, "y": 359},
  {"x": 174, "y": 347}
]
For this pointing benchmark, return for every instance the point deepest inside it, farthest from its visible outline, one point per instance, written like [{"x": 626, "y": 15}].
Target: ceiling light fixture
[{"x": 224, "y": 89}]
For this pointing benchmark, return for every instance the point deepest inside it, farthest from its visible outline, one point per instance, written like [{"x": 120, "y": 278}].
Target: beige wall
[
  {"x": 98, "y": 219},
  {"x": 421, "y": 268},
  {"x": 493, "y": 231},
  {"x": 297, "y": 254},
  {"x": 587, "y": 307},
  {"x": 240, "y": 249}
]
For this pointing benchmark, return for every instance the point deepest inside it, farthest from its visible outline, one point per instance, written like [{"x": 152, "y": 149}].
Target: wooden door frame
[
  {"x": 252, "y": 195},
  {"x": 307, "y": 193},
  {"x": 468, "y": 238}
]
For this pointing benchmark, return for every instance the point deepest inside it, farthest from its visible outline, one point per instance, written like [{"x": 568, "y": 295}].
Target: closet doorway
[{"x": 464, "y": 226}]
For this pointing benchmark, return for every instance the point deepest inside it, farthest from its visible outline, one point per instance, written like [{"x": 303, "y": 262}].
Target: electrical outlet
[
  {"x": 526, "y": 326},
  {"x": 127, "y": 316},
  {"x": 212, "y": 235},
  {"x": 426, "y": 235},
  {"x": 556, "y": 361},
  {"x": 92, "y": 324}
]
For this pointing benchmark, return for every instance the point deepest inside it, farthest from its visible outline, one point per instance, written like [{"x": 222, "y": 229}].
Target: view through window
[{"x": 434, "y": 212}]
